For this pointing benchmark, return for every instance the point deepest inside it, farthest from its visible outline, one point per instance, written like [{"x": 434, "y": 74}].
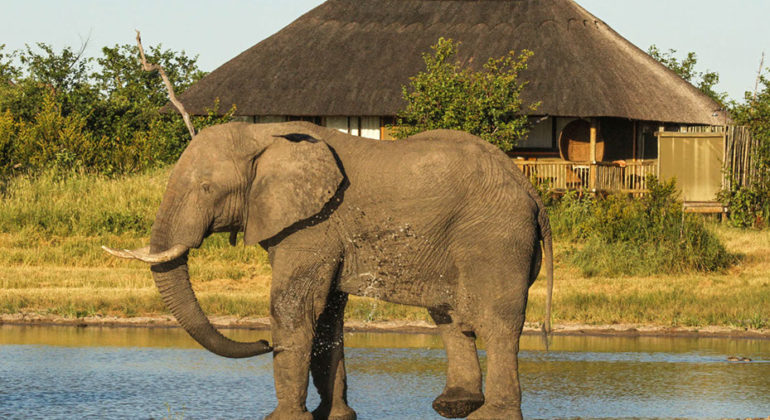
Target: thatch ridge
[{"x": 351, "y": 57}]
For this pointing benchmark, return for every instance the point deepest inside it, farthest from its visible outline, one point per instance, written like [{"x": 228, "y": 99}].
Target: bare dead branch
[
  {"x": 79, "y": 55},
  {"x": 759, "y": 75},
  {"x": 171, "y": 96}
]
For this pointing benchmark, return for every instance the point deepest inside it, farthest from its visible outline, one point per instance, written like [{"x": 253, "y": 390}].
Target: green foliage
[
  {"x": 485, "y": 103},
  {"x": 619, "y": 235},
  {"x": 685, "y": 68},
  {"x": 76, "y": 203},
  {"x": 750, "y": 205},
  {"x": 44, "y": 72},
  {"x": 59, "y": 110},
  {"x": 52, "y": 139},
  {"x": 8, "y": 71},
  {"x": 747, "y": 206}
]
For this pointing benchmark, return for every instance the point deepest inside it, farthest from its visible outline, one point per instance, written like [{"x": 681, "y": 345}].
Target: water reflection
[{"x": 58, "y": 372}]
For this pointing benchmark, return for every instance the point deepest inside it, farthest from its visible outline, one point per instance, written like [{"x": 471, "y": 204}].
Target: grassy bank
[{"x": 51, "y": 230}]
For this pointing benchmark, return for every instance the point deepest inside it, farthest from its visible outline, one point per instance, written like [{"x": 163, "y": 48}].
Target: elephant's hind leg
[
  {"x": 494, "y": 280},
  {"x": 500, "y": 328},
  {"x": 327, "y": 362},
  {"x": 462, "y": 393}
]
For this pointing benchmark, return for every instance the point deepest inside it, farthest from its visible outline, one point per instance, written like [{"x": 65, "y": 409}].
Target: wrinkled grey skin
[{"x": 442, "y": 220}]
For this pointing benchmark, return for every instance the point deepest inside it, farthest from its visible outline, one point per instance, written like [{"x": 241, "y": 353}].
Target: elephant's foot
[
  {"x": 289, "y": 414},
  {"x": 457, "y": 403},
  {"x": 338, "y": 412},
  {"x": 490, "y": 412}
]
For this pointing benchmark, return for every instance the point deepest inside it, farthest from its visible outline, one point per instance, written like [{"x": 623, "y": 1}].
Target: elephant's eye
[{"x": 206, "y": 187}]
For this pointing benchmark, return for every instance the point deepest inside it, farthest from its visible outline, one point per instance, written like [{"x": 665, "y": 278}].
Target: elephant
[{"x": 441, "y": 220}]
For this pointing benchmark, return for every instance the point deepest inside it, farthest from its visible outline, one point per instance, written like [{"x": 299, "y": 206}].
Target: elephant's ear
[{"x": 296, "y": 176}]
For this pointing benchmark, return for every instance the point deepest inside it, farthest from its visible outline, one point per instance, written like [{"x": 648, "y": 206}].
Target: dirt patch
[
  {"x": 632, "y": 330},
  {"x": 404, "y": 327}
]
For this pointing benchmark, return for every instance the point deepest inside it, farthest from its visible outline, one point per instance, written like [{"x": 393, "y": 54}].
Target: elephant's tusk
[
  {"x": 143, "y": 254},
  {"x": 118, "y": 253}
]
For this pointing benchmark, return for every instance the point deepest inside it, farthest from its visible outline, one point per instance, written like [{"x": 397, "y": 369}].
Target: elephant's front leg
[
  {"x": 300, "y": 286},
  {"x": 327, "y": 363}
]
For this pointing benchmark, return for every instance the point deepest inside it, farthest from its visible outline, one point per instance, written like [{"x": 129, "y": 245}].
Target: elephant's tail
[
  {"x": 544, "y": 224},
  {"x": 545, "y": 234}
]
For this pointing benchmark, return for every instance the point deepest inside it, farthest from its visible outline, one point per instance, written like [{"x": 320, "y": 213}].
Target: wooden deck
[{"x": 627, "y": 176}]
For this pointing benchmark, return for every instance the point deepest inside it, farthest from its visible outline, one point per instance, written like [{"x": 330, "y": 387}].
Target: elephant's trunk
[{"x": 173, "y": 281}]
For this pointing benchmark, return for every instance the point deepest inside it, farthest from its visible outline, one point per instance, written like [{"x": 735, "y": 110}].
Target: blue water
[{"x": 165, "y": 376}]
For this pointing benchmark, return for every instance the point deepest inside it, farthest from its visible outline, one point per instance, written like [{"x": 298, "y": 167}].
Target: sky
[{"x": 727, "y": 36}]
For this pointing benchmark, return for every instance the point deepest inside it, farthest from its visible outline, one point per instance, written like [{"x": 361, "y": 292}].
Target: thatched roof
[{"x": 351, "y": 57}]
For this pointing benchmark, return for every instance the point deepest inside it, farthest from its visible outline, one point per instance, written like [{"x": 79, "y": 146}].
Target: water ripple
[{"x": 607, "y": 378}]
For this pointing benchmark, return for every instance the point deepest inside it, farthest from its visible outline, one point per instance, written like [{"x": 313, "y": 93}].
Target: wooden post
[
  {"x": 636, "y": 134},
  {"x": 661, "y": 130},
  {"x": 592, "y": 148}
]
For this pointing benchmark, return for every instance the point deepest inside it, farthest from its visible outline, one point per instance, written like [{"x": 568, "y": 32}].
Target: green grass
[{"x": 51, "y": 232}]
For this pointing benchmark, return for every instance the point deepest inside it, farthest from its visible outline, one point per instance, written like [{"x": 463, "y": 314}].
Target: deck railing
[{"x": 629, "y": 177}]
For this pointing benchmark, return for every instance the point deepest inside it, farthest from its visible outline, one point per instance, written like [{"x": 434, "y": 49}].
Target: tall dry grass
[
  {"x": 52, "y": 227},
  {"x": 738, "y": 296}
]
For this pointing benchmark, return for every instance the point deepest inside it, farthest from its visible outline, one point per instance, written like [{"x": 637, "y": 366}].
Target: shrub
[
  {"x": 619, "y": 235},
  {"x": 54, "y": 140},
  {"x": 56, "y": 113}
]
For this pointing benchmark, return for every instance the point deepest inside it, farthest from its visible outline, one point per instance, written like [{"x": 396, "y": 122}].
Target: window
[
  {"x": 540, "y": 134},
  {"x": 368, "y": 127},
  {"x": 338, "y": 123}
]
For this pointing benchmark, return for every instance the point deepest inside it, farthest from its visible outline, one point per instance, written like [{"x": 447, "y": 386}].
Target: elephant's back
[{"x": 440, "y": 165}]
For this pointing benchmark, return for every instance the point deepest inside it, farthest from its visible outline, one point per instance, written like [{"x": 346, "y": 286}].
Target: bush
[
  {"x": 56, "y": 113},
  {"x": 619, "y": 235},
  {"x": 747, "y": 206}
]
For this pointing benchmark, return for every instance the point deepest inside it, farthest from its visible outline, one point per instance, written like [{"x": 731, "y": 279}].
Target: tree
[
  {"x": 63, "y": 72},
  {"x": 685, "y": 68},
  {"x": 8, "y": 71},
  {"x": 486, "y": 103},
  {"x": 132, "y": 97}
]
